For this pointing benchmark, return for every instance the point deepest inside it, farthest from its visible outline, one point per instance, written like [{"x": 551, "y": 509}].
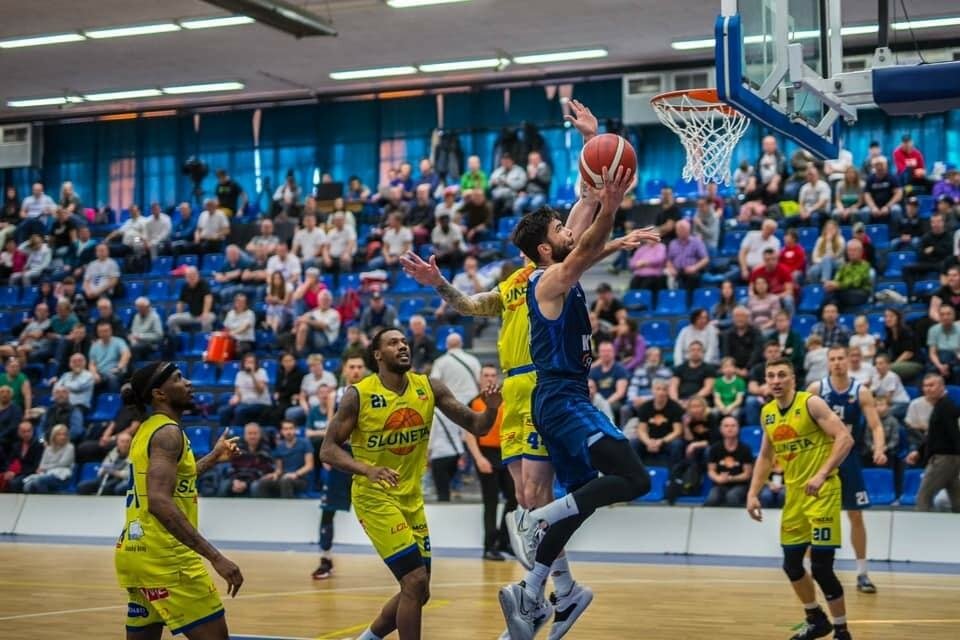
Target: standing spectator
[
  {"x": 108, "y": 357},
  {"x": 194, "y": 305},
  {"x": 102, "y": 275},
  {"x": 494, "y": 477},
  {"x": 647, "y": 266},
  {"x": 815, "y": 359},
  {"x": 19, "y": 384},
  {"x": 940, "y": 451},
  {"x": 699, "y": 330},
  {"x": 692, "y": 378},
  {"x": 38, "y": 261},
  {"x": 183, "y": 235},
  {"x": 448, "y": 243},
  {"x": 779, "y": 279},
  {"x": 936, "y": 247},
  {"x": 378, "y": 315},
  {"x": 791, "y": 344},
  {"x": 610, "y": 376},
  {"x": 853, "y": 283},
  {"x": 10, "y": 416},
  {"x": 293, "y": 464},
  {"x": 743, "y": 342},
  {"x": 212, "y": 229},
  {"x": 534, "y": 194},
  {"x": 687, "y": 258},
  {"x": 758, "y": 392},
  {"x": 943, "y": 343},
  {"x": 286, "y": 199},
  {"x": 79, "y": 382},
  {"x": 907, "y": 157},
  {"x": 307, "y": 397},
  {"x": 320, "y": 325},
  {"x": 254, "y": 462},
  {"x": 397, "y": 240},
  {"x": 22, "y": 460},
  {"x": 230, "y": 195},
  {"x": 474, "y": 179},
  {"x": 251, "y": 401},
  {"x": 849, "y": 196},
  {"x": 741, "y": 174},
  {"x": 828, "y": 253},
  {"x": 506, "y": 182},
  {"x": 34, "y": 212},
  {"x": 754, "y": 244},
  {"x": 668, "y": 216},
  {"x": 308, "y": 241},
  {"x": 423, "y": 350},
  {"x": 882, "y": 195},
  {"x": 62, "y": 412},
  {"x": 832, "y": 332},
  {"x": 146, "y": 330},
  {"x": 706, "y": 222},
  {"x": 793, "y": 257},
  {"x": 729, "y": 389},
  {"x": 660, "y": 428},
  {"x": 56, "y": 466},
  {"x": 730, "y": 466},
  {"x": 629, "y": 344},
  {"x": 240, "y": 322},
  {"x": 814, "y": 200},
  {"x": 113, "y": 476}
]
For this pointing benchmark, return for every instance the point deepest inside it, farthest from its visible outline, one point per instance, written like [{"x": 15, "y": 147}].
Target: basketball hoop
[{"x": 708, "y": 128}]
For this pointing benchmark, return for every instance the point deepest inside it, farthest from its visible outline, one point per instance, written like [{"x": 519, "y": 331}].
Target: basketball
[{"x": 606, "y": 150}]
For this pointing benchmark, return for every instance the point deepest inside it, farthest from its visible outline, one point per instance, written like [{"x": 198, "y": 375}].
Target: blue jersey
[
  {"x": 560, "y": 348},
  {"x": 846, "y": 404}
]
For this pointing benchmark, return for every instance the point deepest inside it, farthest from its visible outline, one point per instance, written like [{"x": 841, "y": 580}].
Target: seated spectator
[
  {"x": 629, "y": 344},
  {"x": 108, "y": 358},
  {"x": 899, "y": 341},
  {"x": 506, "y": 182},
  {"x": 730, "y": 467},
  {"x": 762, "y": 304},
  {"x": 286, "y": 391},
  {"x": 476, "y": 216},
  {"x": 910, "y": 228},
  {"x": 100, "y": 438},
  {"x": 660, "y": 428},
  {"x": 534, "y": 194},
  {"x": 404, "y": 180},
  {"x": 793, "y": 257},
  {"x": 146, "y": 330},
  {"x": 113, "y": 476},
  {"x": 101, "y": 276},
  {"x": 474, "y": 178},
  {"x": 308, "y": 388},
  {"x": 638, "y": 391},
  {"x": 608, "y": 307},
  {"x": 815, "y": 359},
  {"x": 293, "y": 464},
  {"x": 791, "y": 344},
  {"x": 33, "y": 339},
  {"x": 212, "y": 228},
  {"x": 35, "y": 210},
  {"x": 948, "y": 294},
  {"x": 67, "y": 289},
  {"x": 251, "y": 401},
  {"x": 939, "y": 452},
  {"x": 687, "y": 259},
  {"x": 105, "y": 312},
  {"x": 393, "y": 202},
  {"x": 423, "y": 349},
  {"x": 304, "y": 296},
  {"x": 906, "y": 156},
  {"x": 397, "y": 240},
  {"x": 279, "y": 299},
  {"x": 308, "y": 242},
  {"x": 240, "y": 322},
  {"x": 322, "y": 409},
  {"x": 230, "y": 274},
  {"x": 758, "y": 393},
  {"x": 10, "y": 416},
  {"x": 754, "y": 244},
  {"x": 647, "y": 266},
  {"x": 61, "y": 324},
  {"x": 378, "y": 315},
  {"x": 79, "y": 382},
  {"x": 757, "y": 199},
  {"x": 864, "y": 340},
  {"x": 610, "y": 376},
  {"x": 772, "y": 165},
  {"x": 61, "y": 411},
  {"x": 729, "y": 389},
  {"x": 722, "y": 311},
  {"x": 11, "y": 259},
  {"x": 428, "y": 176},
  {"x": 694, "y": 377},
  {"x": 286, "y": 263},
  {"x": 419, "y": 217},
  {"x": 356, "y": 190},
  {"x": 9, "y": 215},
  {"x": 254, "y": 462},
  {"x": 183, "y": 235},
  {"x": 774, "y": 493},
  {"x": 949, "y": 185},
  {"x": 668, "y": 216},
  {"x": 23, "y": 459},
  {"x": 828, "y": 253},
  {"x": 56, "y": 466},
  {"x": 848, "y": 199},
  {"x": 286, "y": 199},
  {"x": 706, "y": 221},
  {"x": 936, "y": 247},
  {"x": 19, "y": 384},
  {"x": 699, "y": 330},
  {"x": 831, "y": 331},
  {"x": 62, "y": 237},
  {"x": 699, "y": 430},
  {"x": 814, "y": 200},
  {"x": 131, "y": 236},
  {"x": 340, "y": 247},
  {"x": 943, "y": 343},
  {"x": 159, "y": 228},
  {"x": 887, "y": 384},
  {"x": 859, "y": 370},
  {"x": 448, "y": 243},
  {"x": 194, "y": 305},
  {"x": 882, "y": 195},
  {"x": 741, "y": 174},
  {"x": 743, "y": 342}
]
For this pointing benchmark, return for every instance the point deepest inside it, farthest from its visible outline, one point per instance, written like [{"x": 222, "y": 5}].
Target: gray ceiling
[{"x": 272, "y": 64}]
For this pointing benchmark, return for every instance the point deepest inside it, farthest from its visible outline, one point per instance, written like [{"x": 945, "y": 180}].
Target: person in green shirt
[
  {"x": 14, "y": 378},
  {"x": 729, "y": 389},
  {"x": 474, "y": 178},
  {"x": 851, "y": 286}
]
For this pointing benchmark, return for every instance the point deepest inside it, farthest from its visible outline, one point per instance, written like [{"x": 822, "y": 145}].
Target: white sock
[
  {"x": 369, "y": 635},
  {"x": 861, "y": 566},
  {"x": 536, "y": 580},
  {"x": 810, "y": 606},
  {"x": 560, "y": 572},
  {"x": 557, "y": 510},
  {"x": 840, "y": 620}
]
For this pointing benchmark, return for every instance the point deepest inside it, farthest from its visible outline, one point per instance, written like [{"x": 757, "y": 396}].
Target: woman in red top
[{"x": 793, "y": 256}]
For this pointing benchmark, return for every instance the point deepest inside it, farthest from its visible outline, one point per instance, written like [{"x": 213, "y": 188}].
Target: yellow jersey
[
  {"x": 513, "y": 344},
  {"x": 147, "y": 555},
  {"x": 393, "y": 430},
  {"x": 798, "y": 441}
]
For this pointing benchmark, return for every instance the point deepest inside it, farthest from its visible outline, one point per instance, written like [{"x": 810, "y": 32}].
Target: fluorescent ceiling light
[
  {"x": 486, "y": 63},
  {"x": 35, "y": 41},
  {"x": 122, "y": 32},
  {"x": 407, "y": 4},
  {"x": 560, "y": 56},
  {"x": 687, "y": 45},
  {"x": 928, "y": 23},
  {"x": 210, "y": 23},
  {"x": 44, "y": 102},
  {"x": 122, "y": 95},
  {"x": 862, "y": 30},
  {"x": 203, "y": 88},
  {"x": 381, "y": 72}
]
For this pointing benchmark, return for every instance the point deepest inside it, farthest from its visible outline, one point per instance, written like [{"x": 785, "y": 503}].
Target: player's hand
[
  {"x": 492, "y": 397},
  {"x": 814, "y": 484},
  {"x": 484, "y": 466},
  {"x": 614, "y": 186},
  {"x": 582, "y": 119},
  {"x": 226, "y": 448},
  {"x": 383, "y": 476},
  {"x": 425, "y": 273},
  {"x": 637, "y": 237},
  {"x": 229, "y": 572},
  {"x": 754, "y": 509},
  {"x": 879, "y": 458}
]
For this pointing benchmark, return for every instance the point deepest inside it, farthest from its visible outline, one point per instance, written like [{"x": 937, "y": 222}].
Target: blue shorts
[
  {"x": 569, "y": 423},
  {"x": 855, "y": 496}
]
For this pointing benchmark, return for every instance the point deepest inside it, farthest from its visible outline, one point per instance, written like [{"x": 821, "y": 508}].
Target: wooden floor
[{"x": 59, "y": 592}]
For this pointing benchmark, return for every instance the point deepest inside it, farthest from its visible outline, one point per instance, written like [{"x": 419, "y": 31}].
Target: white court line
[{"x": 482, "y": 583}]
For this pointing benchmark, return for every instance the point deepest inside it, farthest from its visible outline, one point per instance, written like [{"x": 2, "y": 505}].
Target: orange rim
[{"x": 707, "y": 96}]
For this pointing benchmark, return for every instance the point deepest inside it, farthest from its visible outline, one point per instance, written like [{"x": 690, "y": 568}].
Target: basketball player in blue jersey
[
  {"x": 581, "y": 440},
  {"x": 853, "y": 403}
]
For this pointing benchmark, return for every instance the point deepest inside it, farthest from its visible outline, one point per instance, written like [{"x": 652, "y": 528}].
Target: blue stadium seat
[
  {"x": 88, "y": 472},
  {"x": 879, "y": 234},
  {"x": 741, "y": 293},
  {"x": 879, "y": 483},
  {"x": 896, "y": 261},
  {"x": 106, "y": 407},
  {"x": 199, "y": 438},
  {"x": 490, "y": 246},
  {"x": 811, "y": 298},
  {"x": 658, "y": 484},
  {"x": 203, "y": 374},
  {"x": 912, "y": 390},
  {"x": 846, "y": 231},
  {"x": 198, "y": 345},
  {"x": 10, "y": 293},
  {"x": 204, "y": 403},
  {"x": 405, "y": 284},
  {"x": 133, "y": 289},
  {"x": 270, "y": 366},
  {"x": 894, "y": 285},
  {"x": 651, "y": 189},
  {"x": 6, "y": 322},
  {"x": 926, "y": 288},
  {"x": 638, "y": 300},
  {"x": 212, "y": 262},
  {"x": 350, "y": 281},
  {"x": 911, "y": 484},
  {"x": 802, "y": 322},
  {"x": 161, "y": 266},
  {"x": 445, "y": 331},
  {"x": 159, "y": 291},
  {"x": 188, "y": 258},
  {"x": 705, "y": 297},
  {"x": 229, "y": 373},
  {"x": 953, "y": 392},
  {"x": 407, "y": 308},
  {"x": 752, "y": 436},
  {"x": 657, "y": 333},
  {"x": 846, "y": 319},
  {"x": 331, "y": 364},
  {"x": 731, "y": 242},
  {"x": 425, "y": 251},
  {"x": 672, "y": 302},
  {"x": 926, "y": 205},
  {"x": 877, "y": 327},
  {"x": 505, "y": 227},
  {"x": 684, "y": 189}
]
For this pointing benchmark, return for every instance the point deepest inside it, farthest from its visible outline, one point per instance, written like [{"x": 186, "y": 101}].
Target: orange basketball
[
  {"x": 606, "y": 150},
  {"x": 403, "y": 418}
]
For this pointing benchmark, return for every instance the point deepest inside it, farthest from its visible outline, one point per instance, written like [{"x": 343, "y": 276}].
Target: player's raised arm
[
  {"x": 476, "y": 422},
  {"x": 338, "y": 431},
  {"x": 869, "y": 408},
  {"x": 485, "y": 303},
  {"x": 761, "y": 471},
  {"x": 842, "y": 441},
  {"x": 166, "y": 447}
]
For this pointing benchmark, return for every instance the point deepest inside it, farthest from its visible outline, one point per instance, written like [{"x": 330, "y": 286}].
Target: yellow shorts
[
  {"x": 809, "y": 520},
  {"x": 518, "y": 437},
  {"x": 190, "y": 603},
  {"x": 397, "y": 527}
]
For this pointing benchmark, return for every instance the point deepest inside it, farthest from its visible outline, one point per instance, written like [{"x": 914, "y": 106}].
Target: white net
[{"x": 708, "y": 130}]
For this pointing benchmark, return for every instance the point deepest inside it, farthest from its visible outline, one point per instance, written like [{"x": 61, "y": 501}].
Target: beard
[
  {"x": 398, "y": 367},
  {"x": 560, "y": 252}
]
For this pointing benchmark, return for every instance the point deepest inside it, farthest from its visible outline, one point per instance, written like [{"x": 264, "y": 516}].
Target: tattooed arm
[
  {"x": 166, "y": 447},
  {"x": 486, "y": 303},
  {"x": 477, "y": 423}
]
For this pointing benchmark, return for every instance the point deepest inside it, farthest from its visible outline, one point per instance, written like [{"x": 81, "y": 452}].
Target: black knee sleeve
[
  {"x": 793, "y": 562},
  {"x": 821, "y": 566}
]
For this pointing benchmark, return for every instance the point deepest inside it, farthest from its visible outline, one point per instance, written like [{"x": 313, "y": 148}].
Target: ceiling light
[
  {"x": 560, "y": 56},
  {"x": 122, "y": 95},
  {"x": 463, "y": 65},
  {"x": 687, "y": 45},
  {"x": 122, "y": 32},
  {"x": 381, "y": 72},
  {"x": 286, "y": 15},
  {"x": 203, "y": 88},
  {"x": 928, "y": 23},
  {"x": 43, "y": 102},
  {"x": 210, "y": 23},
  {"x": 36, "y": 41},
  {"x": 407, "y": 4},
  {"x": 861, "y": 30}
]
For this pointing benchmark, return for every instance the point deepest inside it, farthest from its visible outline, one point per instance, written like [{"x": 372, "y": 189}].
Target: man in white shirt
[
  {"x": 814, "y": 199},
  {"x": 101, "y": 275},
  {"x": 79, "y": 382},
  {"x": 754, "y": 244},
  {"x": 34, "y": 211},
  {"x": 340, "y": 245},
  {"x": 286, "y": 263},
  {"x": 131, "y": 232},
  {"x": 213, "y": 227},
  {"x": 266, "y": 239},
  {"x": 857, "y": 369},
  {"x": 159, "y": 227},
  {"x": 397, "y": 240},
  {"x": 506, "y": 182},
  {"x": 321, "y": 325},
  {"x": 308, "y": 388},
  {"x": 308, "y": 241}
]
